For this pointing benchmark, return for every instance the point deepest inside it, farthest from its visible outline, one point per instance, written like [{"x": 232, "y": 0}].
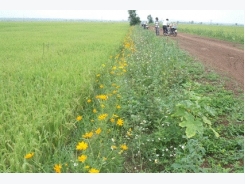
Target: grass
[{"x": 148, "y": 109}]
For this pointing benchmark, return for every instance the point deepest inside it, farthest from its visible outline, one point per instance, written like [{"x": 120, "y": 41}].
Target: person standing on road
[
  {"x": 157, "y": 26},
  {"x": 165, "y": 24}
]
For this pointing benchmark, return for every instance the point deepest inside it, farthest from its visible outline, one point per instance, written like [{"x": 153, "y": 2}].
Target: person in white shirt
[{"x": 165, "y": 25}]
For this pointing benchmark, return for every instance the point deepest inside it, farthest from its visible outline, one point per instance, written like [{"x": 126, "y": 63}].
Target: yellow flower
[
  {"x": 86, "y": 167},
  {"x": 88, "y": 135},
  {"x": 120, "y": 122},
  {"x": 113, "y": 147},
  {"x": 89, "y": 100},
  {"x": 98, "y": 131},
  {"x": 82, "y": 146},
  {"x": 118, "y": 106},
  {"x": 101, "y": 86},
  {"x": 93, "y": 170},
  {"x": 124, "y": 147},
  {"x": 82, "y": 158},
  {"x": 94, "y": 111},
  {"x": 102, "y": 116},
  {"x": 57, "y": 168},
  {"x": 98, "y": 75},
  {"x": 29, "y": 155},
  {"x": 102, "y": 106},
  {"x": 79, "y": 118},
  {"x": 102, "y": 97},
  {"x": 112, "y": 120}
]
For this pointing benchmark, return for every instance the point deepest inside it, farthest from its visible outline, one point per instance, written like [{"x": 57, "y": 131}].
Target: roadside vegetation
[
  {"x": 141, "y": 106},
  {"x": 229, "y": 33}
]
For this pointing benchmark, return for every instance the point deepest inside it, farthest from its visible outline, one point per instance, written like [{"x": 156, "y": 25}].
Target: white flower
[
  {"x": 75, "y": 164},
  {"x": 113, "y": 140},
  {"x": 156, "y": 161},
  {"x": 159, "y": 139}
]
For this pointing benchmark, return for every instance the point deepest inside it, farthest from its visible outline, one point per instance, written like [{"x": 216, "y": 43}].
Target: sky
[{"x": 118, "y": 10}]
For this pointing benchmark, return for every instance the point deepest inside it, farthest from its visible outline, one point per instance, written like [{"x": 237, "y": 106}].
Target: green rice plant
[
  {"x": 46, "y": 70},
  {"x": 223, "y": 32}
]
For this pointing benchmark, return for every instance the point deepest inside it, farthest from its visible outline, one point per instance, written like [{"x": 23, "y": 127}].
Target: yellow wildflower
[
  {"x": 86, "y": 167},
  {"x": 112, "y": 120},
  {"x": 89, "y": 100},
  {"x": 118, "y": 106},
  {"x": 102, "y": 97},
  {"x": 98, "y": 131},
  {"x": 101, "y": 86},
  {"x": 82, "y": 158},
  {"x": 120, "y": 122},
  {"x": 57, "y": 168},
  {"x": 124, "y": 147},
  {"x": 29, "y": 155},
  {"x": 82, "y": 146},
  {"x": 79, "y": 118},
  {"x": 102, "y": 116},
  {"x": 102, "y": 106},
  {"x": 88, "y": 135},
  {"x": 113, "y": 147},
  {"x": 93, "y": 170},
  {"x": 94, "y": 111}
]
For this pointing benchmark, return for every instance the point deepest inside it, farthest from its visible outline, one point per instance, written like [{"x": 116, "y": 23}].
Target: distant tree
[
  {"x": 150, "y": 19},
  {"x": 133, "y": 18}
]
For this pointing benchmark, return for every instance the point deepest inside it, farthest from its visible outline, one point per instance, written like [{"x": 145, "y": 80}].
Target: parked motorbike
[{"x": 172, "y": 31}]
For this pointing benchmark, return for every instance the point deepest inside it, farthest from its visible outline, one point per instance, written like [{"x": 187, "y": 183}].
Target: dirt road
[{"x": 225, "y": 58}]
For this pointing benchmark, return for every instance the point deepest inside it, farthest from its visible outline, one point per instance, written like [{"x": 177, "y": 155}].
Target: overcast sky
[{"x": 109, "y": 10}]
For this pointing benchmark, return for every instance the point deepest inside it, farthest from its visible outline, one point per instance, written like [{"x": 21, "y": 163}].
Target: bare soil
[{"x": 225, "y": 58}]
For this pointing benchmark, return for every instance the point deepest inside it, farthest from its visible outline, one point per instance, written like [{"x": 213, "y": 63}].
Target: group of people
[{"x": 167, "y": 26}]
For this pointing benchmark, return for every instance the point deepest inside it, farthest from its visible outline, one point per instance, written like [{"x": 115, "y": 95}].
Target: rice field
[
  {"x": 224, "y": 32},
  {"x": 46, "y": 68}
]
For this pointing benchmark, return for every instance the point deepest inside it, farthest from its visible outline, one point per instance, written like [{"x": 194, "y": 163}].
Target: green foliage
[
  {"x": 133, "y": 18},
  {"x": 150, "y": 19}
]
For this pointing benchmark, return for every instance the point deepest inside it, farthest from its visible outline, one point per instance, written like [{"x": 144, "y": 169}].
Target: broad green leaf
[
  {"x": 206, "y": 120},
  {"x": 192, "y": 126}
]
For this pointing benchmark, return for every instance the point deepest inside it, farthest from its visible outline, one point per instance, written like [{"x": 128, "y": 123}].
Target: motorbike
[{"x": 172, "y": 31}]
